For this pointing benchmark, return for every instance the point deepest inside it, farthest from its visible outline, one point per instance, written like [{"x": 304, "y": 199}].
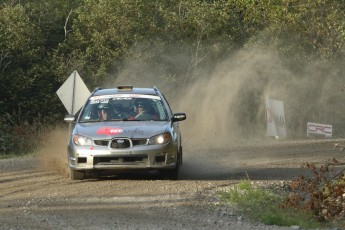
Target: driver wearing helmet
[{"x": 104, "y": 112}]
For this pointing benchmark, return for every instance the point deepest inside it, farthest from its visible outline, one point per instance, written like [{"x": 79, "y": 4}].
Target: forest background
[{"x": 239, "y": 50}]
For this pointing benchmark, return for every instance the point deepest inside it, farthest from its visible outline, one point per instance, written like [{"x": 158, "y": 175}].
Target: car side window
[
  {"x": 161, "y": 110},
  {"x": 87, "y": 113},
  {"x": 168, "y": 106}
]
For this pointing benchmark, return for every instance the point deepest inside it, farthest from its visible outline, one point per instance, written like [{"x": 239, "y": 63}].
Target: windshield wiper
[{"x": 88, "y": 121}]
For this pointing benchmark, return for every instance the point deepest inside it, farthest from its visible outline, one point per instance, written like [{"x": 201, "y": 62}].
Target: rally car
[{"x": 125, "y": 129}]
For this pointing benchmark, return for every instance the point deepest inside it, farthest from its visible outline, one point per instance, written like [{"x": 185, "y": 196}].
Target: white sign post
[
  {"x": 275, "y": 118},
  {"x": 73, "y": 93}
]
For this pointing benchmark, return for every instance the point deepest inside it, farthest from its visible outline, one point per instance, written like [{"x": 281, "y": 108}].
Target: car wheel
[
  {"x": 181, "y": 156},
  {"x": 77, "y": 175},
  {"x": 171, "y": 174}
]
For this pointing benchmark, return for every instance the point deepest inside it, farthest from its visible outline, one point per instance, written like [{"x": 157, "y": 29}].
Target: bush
[
  {"x": 323, "y": 194},
  {"x": 18, "y": 138},
  {"x": 265, "y": 205}
]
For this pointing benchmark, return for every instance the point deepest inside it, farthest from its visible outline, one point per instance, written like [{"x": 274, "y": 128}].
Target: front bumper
[{"x": 146, "y": 157}]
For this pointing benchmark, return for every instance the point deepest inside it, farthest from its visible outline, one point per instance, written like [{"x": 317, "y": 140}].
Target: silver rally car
[{"x": 125, "y": 129}]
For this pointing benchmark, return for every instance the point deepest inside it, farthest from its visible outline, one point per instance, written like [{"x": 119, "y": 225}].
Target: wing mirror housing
[
  {"x": 179, "y": 117},
  {"x": 69, "y": 118}
]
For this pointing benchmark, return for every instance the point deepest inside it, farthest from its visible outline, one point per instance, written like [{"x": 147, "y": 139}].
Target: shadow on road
[{"x": 188, "y": 173}]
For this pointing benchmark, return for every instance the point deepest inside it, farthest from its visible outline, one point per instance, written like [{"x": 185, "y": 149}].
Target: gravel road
[{"x": 36, "y": 192}]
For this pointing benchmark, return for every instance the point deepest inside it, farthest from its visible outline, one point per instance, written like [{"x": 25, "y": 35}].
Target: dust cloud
[
  {"x": 225, "y": 105},
  {"x": 53, "y": 155}
]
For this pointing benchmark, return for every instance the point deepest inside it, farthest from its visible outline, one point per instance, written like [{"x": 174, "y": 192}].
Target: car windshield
[{"x": 124, "y": 107}]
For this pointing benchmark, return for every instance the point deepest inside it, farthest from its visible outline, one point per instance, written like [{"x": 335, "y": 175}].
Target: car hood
[{"x": 131, "y": 129}]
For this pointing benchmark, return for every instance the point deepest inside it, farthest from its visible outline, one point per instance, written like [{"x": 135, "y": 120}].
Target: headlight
[
  {"x": 81, "y": 140},
  {"x": 160, "y": 139}
]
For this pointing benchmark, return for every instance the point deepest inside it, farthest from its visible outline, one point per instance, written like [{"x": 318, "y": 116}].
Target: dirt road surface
[{"x": 36, "y": 192}]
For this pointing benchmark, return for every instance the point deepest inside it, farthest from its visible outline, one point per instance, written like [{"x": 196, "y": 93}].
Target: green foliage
[
  {"x": 20, "y": 49},
  {"x": 302, "y": 29},
  {"x": 27, "y": 82},
  {"x": 264, "y": 205},
  {"x": 322, "y": 194},
  {"x": 310, "y": 202},
  {"x": 20, "y": 138},
  {"x": 43, "y": 42},
  {"x": 149, "y": 32},
  {"x": 250, "y": 197}
]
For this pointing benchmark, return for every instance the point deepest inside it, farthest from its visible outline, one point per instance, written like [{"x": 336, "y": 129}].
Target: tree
[{"x": 20, "y": 47}]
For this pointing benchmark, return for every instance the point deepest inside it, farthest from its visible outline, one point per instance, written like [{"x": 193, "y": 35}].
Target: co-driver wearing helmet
[{"x": 141, "y": 108}]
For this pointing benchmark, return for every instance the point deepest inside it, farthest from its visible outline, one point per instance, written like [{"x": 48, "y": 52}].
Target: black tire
[
  {"x": 171, "y": 174},
  {"x": 77, "y": 175},
  {"x": 181, "y": 156}
]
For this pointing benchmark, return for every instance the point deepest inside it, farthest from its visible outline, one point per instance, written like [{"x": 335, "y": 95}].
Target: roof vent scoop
[{"x": 124, "y": 87}]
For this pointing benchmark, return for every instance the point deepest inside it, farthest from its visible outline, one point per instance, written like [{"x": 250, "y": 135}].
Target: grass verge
[{"x": 265, "y": 206}]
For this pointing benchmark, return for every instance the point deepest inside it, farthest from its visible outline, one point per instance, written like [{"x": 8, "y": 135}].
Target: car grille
[
  {"x": 121, "y": 143},
  {"x": 120, "y": 160},
  {"x": 101, "y": 142}
]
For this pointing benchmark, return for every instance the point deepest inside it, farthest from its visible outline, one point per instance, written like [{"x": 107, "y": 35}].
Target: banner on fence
[
  {"x": 319, "y": 129},
  {"x": 275, "y": 118}
]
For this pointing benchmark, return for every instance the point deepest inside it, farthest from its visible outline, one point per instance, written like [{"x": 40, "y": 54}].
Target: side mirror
[
  {"x": 69, "y": 118},
  {"x": 179, "y": 117}
]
